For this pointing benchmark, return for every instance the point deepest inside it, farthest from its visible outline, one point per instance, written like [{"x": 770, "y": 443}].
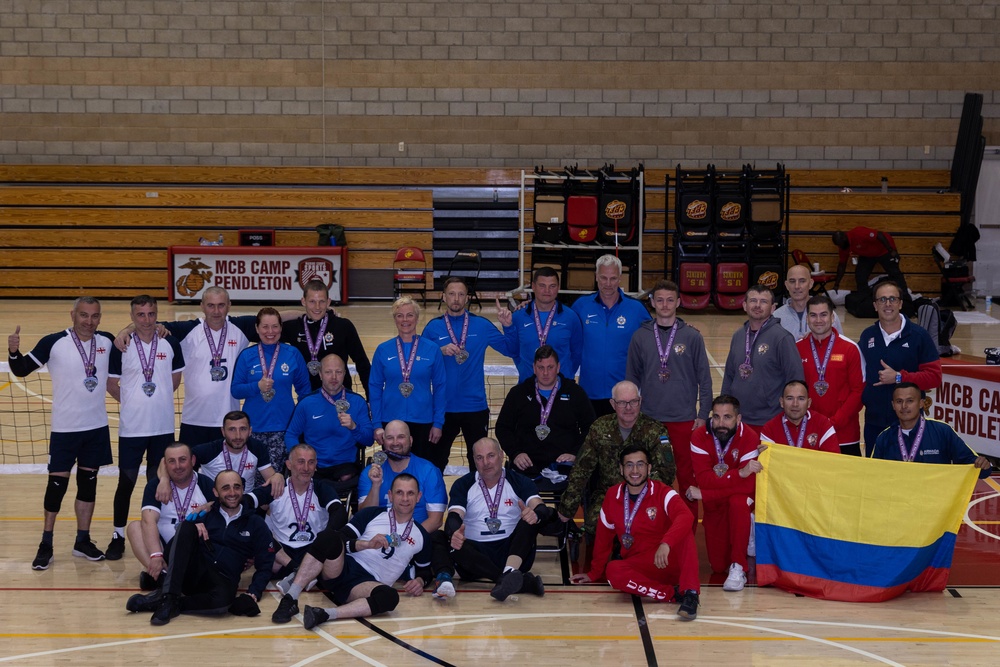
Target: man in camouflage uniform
[{"x": 608, "y": 435}]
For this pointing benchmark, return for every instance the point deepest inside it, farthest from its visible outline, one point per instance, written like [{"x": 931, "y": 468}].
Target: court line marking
[
  {"x": 972, "y": 524},
  {"x": 406, "y": 645}
]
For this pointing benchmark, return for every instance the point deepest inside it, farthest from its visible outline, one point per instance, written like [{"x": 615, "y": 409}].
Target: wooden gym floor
[{"x": 74, "y": 612}]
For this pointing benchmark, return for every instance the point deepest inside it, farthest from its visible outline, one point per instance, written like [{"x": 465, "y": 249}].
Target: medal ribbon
[
  {"x": 182, "y": 508},
  {"x": 147, "y": 369},
  {"x": 630, "y": 514},
  {"x": 494, "y": 505},
  {"x": 802, "y": 430},
  {"x": 751, "y": 341},
  {"x": 408, "y": 367},
  {"x": 331, "y": 399},
  {"x": 912, "y": 454},
  {"x": 543, "y": 333},
  {"x": 821, "y": 369},
  {"x": 392, "y": 526},
  {"x": 312, "y": 344},
  {"x": 451, "y": 332},
  {"x": 89, "y": 367},
  {"x": 229, "y": 460},
  {"x": 269, "y": 373},
  {"x": 216, "y": 351},
  {"x": 719, "y": 451},
  {"x": 664, "y": 354},
  {"x": 301, "y": 515},
  {"x": 547, "y": 405}
]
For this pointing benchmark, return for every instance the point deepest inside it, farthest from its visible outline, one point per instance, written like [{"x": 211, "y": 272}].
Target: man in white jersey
[
  {"x": 77, "y": 361},
  {"x": 358, "y": 565},
  {"x": 150, "y": 535},
  {"x": 143, "y": 380}
]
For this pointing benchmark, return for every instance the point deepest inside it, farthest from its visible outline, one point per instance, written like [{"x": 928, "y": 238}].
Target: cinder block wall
[{"x": 811, "y": 83}]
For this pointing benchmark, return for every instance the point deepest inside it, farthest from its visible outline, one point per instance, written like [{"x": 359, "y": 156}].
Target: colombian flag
[{"x": 856, "y": 529}]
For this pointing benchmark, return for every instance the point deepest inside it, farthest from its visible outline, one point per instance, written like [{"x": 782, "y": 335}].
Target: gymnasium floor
[{"x": 74, "y": 612}]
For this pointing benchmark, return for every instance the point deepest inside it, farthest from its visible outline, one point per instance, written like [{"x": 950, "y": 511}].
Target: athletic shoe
[
  {"x": 149, "y": 602},
  {"x": 169, "y": 609},
  {"x": 313, "y": 616},
  {"x": 116, "y": 548},
  {"x": 43, "y": 557},
  {"x": 287, "y": 608},
  {"x": 688, "y": 611},
  {"x": 736, "y": 580},
  {"x": 533, "y": 584},
  {"x": 87, "y": 550},
  {"x": 509, "y": 583},
  {"x": 146, "y": 581},
  {"x": 444, "y": 587}
]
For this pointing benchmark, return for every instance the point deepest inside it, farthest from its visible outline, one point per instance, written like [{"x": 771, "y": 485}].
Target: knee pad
[
  {"x": 86, "y": 485},
  {"x": 383, "y": 599},
  {"x": 54, "y": 492},
  {"x": 328, "y": 545}
]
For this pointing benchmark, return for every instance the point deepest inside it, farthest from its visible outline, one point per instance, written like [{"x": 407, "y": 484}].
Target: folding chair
[
  {"x": 956, "y": 279},
  {"x": 409, "y": 273},
  {"x": 564, "y": 535},
  {"x": 820, "y": 278},
  {"x": 466, "y": 264}
]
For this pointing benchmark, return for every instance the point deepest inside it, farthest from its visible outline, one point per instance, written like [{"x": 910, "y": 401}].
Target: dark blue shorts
[
  {"x": 87, "y": 449},
  {"x": 339, "y": 589},
  {"x": 131, "y": 450}
]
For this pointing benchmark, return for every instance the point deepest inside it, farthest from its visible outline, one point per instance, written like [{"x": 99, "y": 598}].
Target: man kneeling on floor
[
  {"x": 207, "y": 558},
  {"x": 653, "y": 526},
  {"x": 357, "y": 566}
]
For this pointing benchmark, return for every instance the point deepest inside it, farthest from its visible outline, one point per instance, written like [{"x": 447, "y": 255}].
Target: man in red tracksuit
[
  {"x": 653, "y": 526},
  {"x": 725, "y": 462},
  {"x": 797, "y": 425}
]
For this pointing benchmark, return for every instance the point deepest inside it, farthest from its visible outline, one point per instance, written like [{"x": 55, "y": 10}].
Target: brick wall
[{"x": 814, "y": 84}]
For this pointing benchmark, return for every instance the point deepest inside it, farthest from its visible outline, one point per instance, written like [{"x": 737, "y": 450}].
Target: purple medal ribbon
[
  {"x": 451, "y": 331},
  {"x": 547, "y": 405},
  {"x": 802, "y": 430},
  {"x": 269, "y": 373},
  {"x": 147, "y": 369},
  {"x": 301, "y": 515},
  {"x": 664, "y": 353},
  {"x": 229, "y": 460},
  {"x": 747, "y": 367},
  {"x": 543, "y": 333},
  {"x": 721, "y": 467},
  {"x": 313, "y": 344},
  {"x": 392, "y": 528},
  {"x": 630, "y": 514},
  {"x": 912, "y": 454},
  {"x": 89, "y": 367},
  {"x": 493, "y": 505},
  {"x": 216, "y": 351},
  {"x": 406, "y": 368},
  {"x": 182, "y": 508},
  {"x": 821, "y": 368},
  {"x": 331, "y": 399}
]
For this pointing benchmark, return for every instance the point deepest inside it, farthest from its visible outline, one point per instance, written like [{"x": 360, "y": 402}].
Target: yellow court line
[{"x": 994, "y": 485}]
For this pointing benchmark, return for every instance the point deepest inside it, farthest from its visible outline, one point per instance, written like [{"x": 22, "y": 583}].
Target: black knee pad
[
  {"x": 383, "y": 599},
  {"x": 54, "y": 492},
  {"x": 86, "y": 485},
  {"x": 328, "y": 545}
]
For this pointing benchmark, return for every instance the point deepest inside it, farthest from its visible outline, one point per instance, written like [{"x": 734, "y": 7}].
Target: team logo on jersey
[
  {"x": 680, "y": 348},
  {"x": 651, "y": 513},
  {"x": 284, "y": 368},
  {"x": 328, "y": 337},
  {"x": 621, "y": 320},
  {"x": 316, "y": 268},
  {"x": 762, "y": 348},
  {"x": 508, "y": 502},
  {"x": 812, "y": 439},
  {"x": 871, "y": 343},
  {"x": 196, "y": 279}
]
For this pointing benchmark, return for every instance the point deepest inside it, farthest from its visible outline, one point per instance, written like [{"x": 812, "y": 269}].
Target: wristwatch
[{"x": 899, "y": 378}]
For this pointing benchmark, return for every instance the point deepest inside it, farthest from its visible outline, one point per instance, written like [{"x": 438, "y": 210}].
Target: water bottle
[{"x": 989, "y": 304}]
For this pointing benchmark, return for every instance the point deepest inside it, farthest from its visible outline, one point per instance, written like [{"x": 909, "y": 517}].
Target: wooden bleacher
[{"x": 104, "y": 230}]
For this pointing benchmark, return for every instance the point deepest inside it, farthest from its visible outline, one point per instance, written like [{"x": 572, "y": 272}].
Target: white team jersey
[
  {"x": 212, "y": 461},
  {"x": 143, "y": 415},
  {"x": 73, "y": 407},
  {"x": 477, "y": 511},
  {"x": 281, "y": 516},
  {"x": 387, "y": 565},
  {"x": 206, "y": 401},
  {"x": 168, "y": 519}
]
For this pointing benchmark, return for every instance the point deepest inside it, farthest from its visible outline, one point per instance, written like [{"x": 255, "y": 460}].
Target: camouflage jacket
[{"x": 598, "y": 457}]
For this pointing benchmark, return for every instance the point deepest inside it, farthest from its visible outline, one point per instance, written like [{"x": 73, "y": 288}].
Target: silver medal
[
  {"x": 627, "y": 541},
  {"x": 406, "y": 388},
  {"x": 664, "y": 374},
  {"x": 343, "y": 405},
  {"x": 461, "y": 356},
  {"x": 542, "y": 431},
  {"x": 745, "y": 371},
  {"x": 267, "y": 395},
  {"x": 493, "y": 525},
  {"x": 90, "y": 383},
  {"x": 720, "y": 469},
  {"x": 394, "y": 540},
  {"x": 378, "y": 458},
  {"x": 218, "y": 373},
  {"x": 148, "y": 388},
  {"x": 314, "y": 367},
  {"x": 821, "y": 387}
]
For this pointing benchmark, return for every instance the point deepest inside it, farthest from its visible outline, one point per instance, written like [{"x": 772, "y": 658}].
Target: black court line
[
  {"x": 399, "y": 642},
  {"x": 647, "y": 640},
  {"x": 954, "y": 593}
]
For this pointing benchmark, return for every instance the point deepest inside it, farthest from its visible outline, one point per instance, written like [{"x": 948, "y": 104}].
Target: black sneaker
[
  {"x": 43, "y": 557},
  {"x": 288, "y": 607},
  {"x": 313, "y": 616},
  {"x": 116, "y": 548},
  {"x": 146, "y": 581},
  {"x": 533, "y": 584},
  {"x": 140, "y": 602},
  {"x": 688, "y": 611},
  {"x": 170, "y": 608},
  {"x": 509, "y": 583},
  {"x": 87, "y": 550}
]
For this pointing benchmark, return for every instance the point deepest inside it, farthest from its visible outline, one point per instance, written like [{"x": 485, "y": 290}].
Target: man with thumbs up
[{"x": 77, "y": 360}]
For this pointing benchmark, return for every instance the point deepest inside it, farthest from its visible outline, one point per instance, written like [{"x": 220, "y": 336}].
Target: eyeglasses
[
  {"x": 882, "y": 300},
  {"x": 635, "y": 465},
  {"x": 634, "y": 403}
]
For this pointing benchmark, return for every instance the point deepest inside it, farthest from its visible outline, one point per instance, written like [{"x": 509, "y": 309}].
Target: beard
[{"x": 724, "y": 434}]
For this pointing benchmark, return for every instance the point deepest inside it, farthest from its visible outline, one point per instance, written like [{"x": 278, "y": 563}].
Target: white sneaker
[
  {"x": 736, "y": 580},
  {"x": 752, "y": 544}
]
